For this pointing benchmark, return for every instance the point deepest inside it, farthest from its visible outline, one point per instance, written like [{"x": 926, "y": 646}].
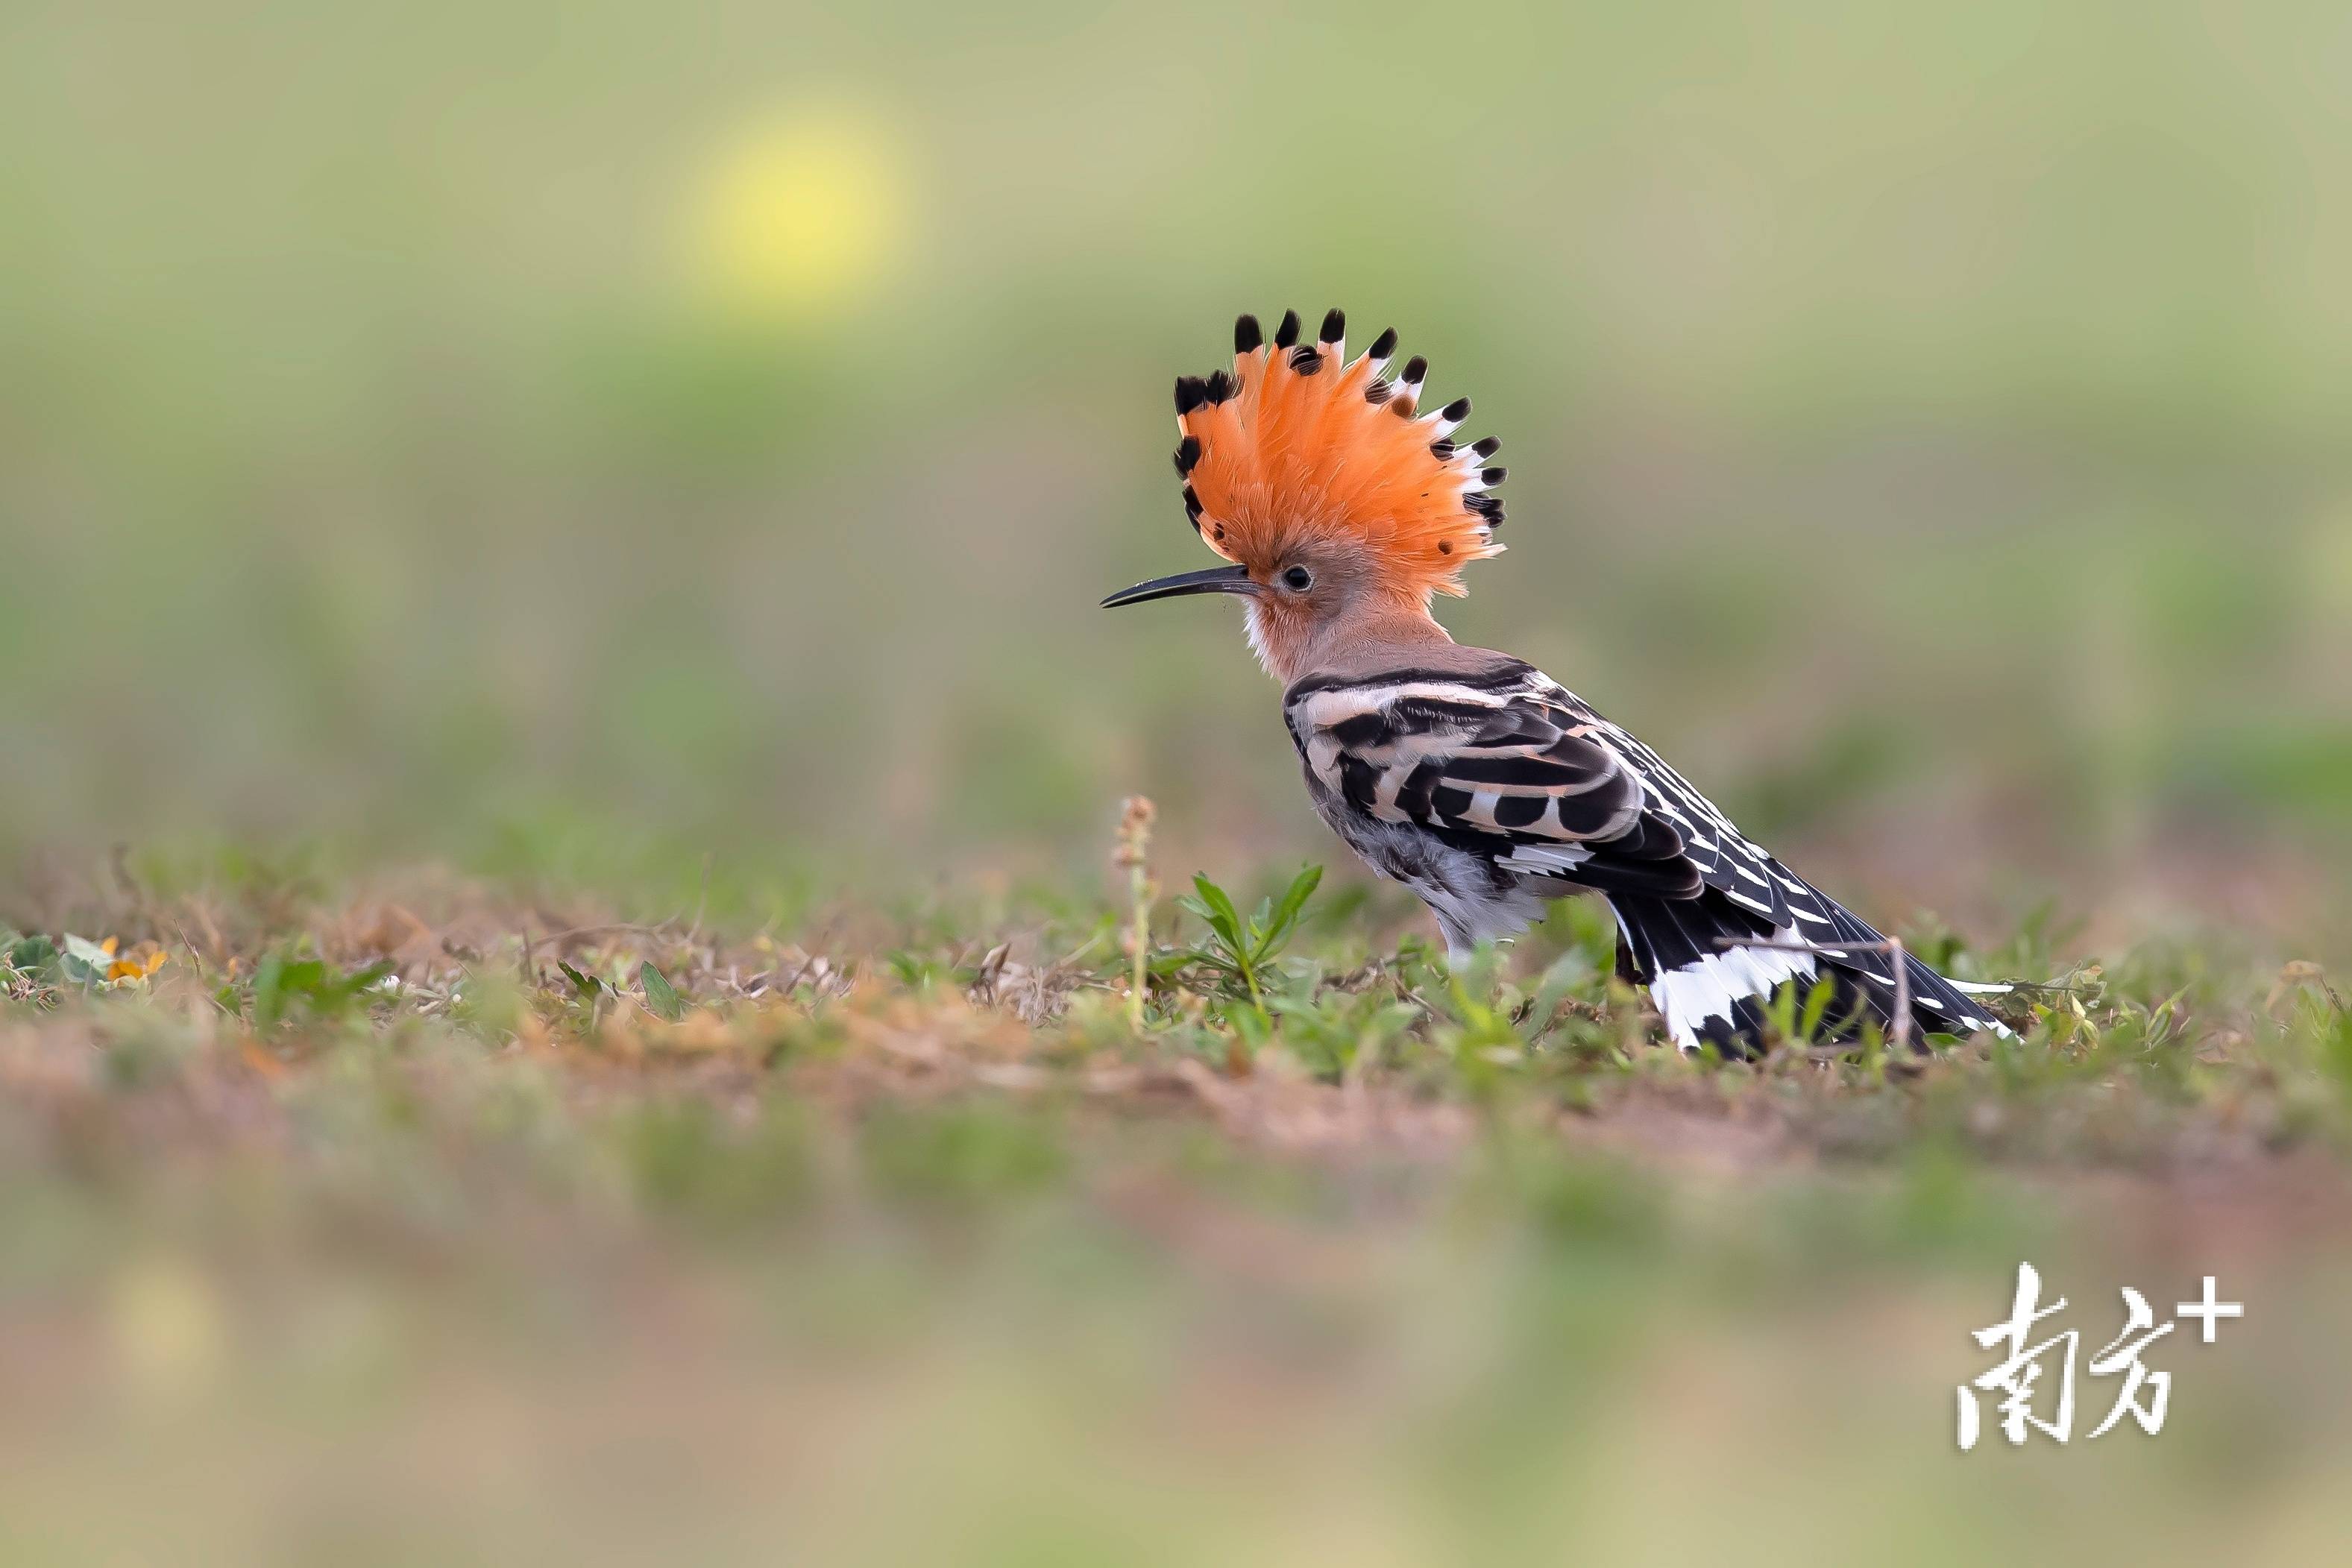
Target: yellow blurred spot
[
  {"x": 795, "y": 214},
  {"x": 169, "y": 1332}
]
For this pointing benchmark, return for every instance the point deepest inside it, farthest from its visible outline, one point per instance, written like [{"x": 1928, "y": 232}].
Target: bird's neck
[{"x": 1376, "y": 637}]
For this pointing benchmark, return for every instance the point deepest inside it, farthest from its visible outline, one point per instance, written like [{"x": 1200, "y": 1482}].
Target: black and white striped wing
[
  {"x": 1727, "y": 861},
  {"x": 1513, "y": 767},
  {"x": 1508, "y": 766},
  {"x": 1743, "y": 874}
]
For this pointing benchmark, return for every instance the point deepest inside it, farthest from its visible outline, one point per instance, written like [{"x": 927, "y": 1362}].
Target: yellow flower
[{"x": 137, "y": 963}]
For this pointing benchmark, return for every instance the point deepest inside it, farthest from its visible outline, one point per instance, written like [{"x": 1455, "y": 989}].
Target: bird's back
[{"x": 1488, "y": 788}]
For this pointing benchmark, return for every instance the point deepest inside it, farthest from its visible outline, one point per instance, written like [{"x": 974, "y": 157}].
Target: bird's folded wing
[
  {"x": 1518, "y": 768},
  {"x": 1518, "y": 771},
  {"x": 1727, "y": 862},
  {"x": 1515, "y": 767}
]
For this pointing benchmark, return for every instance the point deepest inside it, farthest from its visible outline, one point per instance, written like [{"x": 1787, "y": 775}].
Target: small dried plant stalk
[{"x": 1133, "y": 856}]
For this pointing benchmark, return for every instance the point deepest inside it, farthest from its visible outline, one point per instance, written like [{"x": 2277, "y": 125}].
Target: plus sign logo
[
  {"x": 2035, "y": 1379},
  {"x": 2209, "y": 1311}
]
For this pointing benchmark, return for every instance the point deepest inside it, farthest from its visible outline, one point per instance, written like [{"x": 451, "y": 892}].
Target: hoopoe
[{"x": 1471, "y": 777}]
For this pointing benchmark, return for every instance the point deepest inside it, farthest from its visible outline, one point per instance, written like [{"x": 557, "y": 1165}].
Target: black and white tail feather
[{"x": 1490, "y": 788}]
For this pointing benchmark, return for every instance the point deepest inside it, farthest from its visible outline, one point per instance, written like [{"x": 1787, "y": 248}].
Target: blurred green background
[
  {"x": 675, "y": 451},
  {"x": 576, "y": 437}
]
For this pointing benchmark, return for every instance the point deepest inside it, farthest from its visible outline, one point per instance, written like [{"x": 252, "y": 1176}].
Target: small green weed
[
  {"x": 291, "y": 989},
  {"x": 1239, "y": 952}
]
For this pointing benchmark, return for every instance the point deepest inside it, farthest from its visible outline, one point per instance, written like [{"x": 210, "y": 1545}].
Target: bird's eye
[{"x": 1298, "y": 580}]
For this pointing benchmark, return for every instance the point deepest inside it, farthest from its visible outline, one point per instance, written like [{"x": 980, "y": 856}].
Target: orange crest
[{"x": 1295, "y": 443}]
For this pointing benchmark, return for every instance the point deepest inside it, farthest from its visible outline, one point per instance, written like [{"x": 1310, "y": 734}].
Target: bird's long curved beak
[{"x": 1215, "y": 580}]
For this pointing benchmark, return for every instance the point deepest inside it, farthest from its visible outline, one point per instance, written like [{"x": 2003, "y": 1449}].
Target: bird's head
[{"x": 1340, "y": 505}]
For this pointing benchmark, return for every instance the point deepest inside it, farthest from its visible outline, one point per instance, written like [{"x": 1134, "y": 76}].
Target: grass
[{"x": 459, "y": 1221}]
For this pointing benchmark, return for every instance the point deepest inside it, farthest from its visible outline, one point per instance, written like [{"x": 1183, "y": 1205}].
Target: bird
[{"x": 1341, "y": 509}]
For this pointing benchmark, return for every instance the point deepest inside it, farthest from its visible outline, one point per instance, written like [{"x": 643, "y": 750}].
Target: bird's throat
[{"x": 1291, "y": 644}]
